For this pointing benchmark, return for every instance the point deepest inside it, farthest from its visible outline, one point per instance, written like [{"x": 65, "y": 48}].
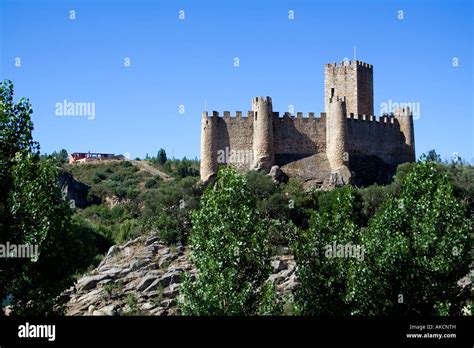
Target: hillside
[
  {"x": 143, "y": 276},
  {"x": 123, "y": 199},
  {"x": 145, "y": 209}
]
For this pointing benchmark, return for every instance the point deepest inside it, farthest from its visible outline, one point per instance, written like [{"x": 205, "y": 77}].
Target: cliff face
[
  {"x": 74, "y": 190},
  {"x": 143, "y": 276}
]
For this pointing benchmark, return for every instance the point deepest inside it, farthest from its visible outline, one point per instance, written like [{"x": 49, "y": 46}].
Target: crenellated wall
[
  {"x": 233, "y": 139},
  {"x": 344, "y": 144},
  {"x": 367, "y": 135},
  {"x": 298, "y": 137},
  {"x": 352, "y": 80}
]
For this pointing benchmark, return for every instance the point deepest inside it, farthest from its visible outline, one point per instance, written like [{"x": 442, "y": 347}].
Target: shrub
[
  {"x": 98, "y": 177},
  {"x": 168, "y": 229},
  {"x": 152, "y": 183}
]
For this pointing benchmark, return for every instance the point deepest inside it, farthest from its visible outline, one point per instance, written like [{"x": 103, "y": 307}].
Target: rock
[
  {"x": 107, "y": 310},
  {"x": 151, "y": 240},
  {"x": 113, "y": 272},
  {"x": 90, "y": 282},
  {"x": 180, "y": 248},
  {"x": 136, "y": 264},
  {"x": 278, "y": 175},
  {"x": 147, "y": 306},
  {"x": 171, "y": 291},
  {"x": 168, "y": 303},
  {"x": 89, "y": 297},
  {"x": 113, "y": 250},
  {"x": 279, "y": 265},
  {"x": 153, "y": 286},
  {"x": 134, "y": 268},
  {"x": 131, "y": 242},
  {"x": 288, "y": 286},
  {"x": 166, "y": 260},
  {"x": 341, "y": 176},
  {"x": 145, "y": 282},
  {"x": 73, "y": 190},
  {"x": 104, "y": 282},
  {"x": 170, "y": 278},
  {"x": 157, "y": 311}
]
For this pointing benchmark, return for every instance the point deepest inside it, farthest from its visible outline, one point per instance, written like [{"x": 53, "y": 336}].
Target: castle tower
[
  {"x": 208, "y": 146},
  {"x": 353, "y": 80},
  {"x": 336, "y": 148},
  {"x": 263, "y": 151},
  {"x": 405, "y": 119}
]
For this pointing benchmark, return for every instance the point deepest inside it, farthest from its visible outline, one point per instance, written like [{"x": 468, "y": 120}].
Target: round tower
[
  {"x": 208, "y": 146},
  {"x": 405, "y": 120},
  {"x": 263, "y": 150},
  {"x": 336, "y": 148}
]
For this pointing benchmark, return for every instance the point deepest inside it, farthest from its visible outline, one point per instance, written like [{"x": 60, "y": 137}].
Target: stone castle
[{"x": 346, "y": 144}]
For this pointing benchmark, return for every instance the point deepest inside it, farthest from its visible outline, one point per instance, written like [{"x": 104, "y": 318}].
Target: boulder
[
  {"x": 278, "y": 175},
  {"x": 341, "y": 176}
]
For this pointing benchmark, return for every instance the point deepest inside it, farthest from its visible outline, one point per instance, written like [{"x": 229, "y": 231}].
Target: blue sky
[{"x": 190, "y": 62}]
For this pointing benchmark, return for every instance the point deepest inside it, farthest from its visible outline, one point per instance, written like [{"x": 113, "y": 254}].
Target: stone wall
[
  {"x": 234, "y": 140},
  {"x": 298, "y": 137},
  {"x": 365, "y": 89},
  {"x": 372, "y": 137},
  {"x": 353, "y": 80},
  {"x": 343, "y": 141}
]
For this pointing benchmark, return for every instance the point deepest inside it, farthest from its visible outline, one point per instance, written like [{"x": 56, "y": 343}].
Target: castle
[{"x": 346, "y": 144}]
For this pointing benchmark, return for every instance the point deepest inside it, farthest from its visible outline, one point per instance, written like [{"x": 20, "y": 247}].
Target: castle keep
[{"x": 346, "y": 144}]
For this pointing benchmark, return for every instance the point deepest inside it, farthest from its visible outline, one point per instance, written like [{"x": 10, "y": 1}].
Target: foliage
[
  {"x": 161, "y": 157},
  {"x": 230, "y": 250},
  {"x": 416, "y": 247},
  {"x": 433, "y": 156},
  {"x": 167, "y": 209},
  {"x": 178, "y": 168},
  {"x": 33, "y": 213},
  {"x": 323, "y": 277}
]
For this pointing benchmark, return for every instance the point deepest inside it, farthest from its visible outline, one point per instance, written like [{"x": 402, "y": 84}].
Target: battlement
[
  {"x": 265, "y": 100},
  {"x": 250, "y": 114},
  {"x": 381, "y": 120},
  {"x": 401, "y": 111},
  {"x": 350, "y": 63},
  {"x": 226, "y": 114},
  {"x": 315, "y": 147},
  {"x": 299, "y": 115}
]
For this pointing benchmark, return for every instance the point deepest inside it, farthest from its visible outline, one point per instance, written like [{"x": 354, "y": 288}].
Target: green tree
[
  {"x": 63, "y": 156},
  {"x": 433, "y": 156},
  {"x": 161, "y": 157},
  {"x": 33, "y": 213},
  {"x": 322, "y": 273},
  {"x": 15, "y": 136},
  {"x": 230, "y": 250},
  {"x": 416, "y": 248}
]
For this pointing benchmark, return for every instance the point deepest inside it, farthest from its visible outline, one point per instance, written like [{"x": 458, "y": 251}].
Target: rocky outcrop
[
  {"x": 143, "y": 276},
  {"x": 74, "y": 191},
  {"x": 278, "y": 175}
]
